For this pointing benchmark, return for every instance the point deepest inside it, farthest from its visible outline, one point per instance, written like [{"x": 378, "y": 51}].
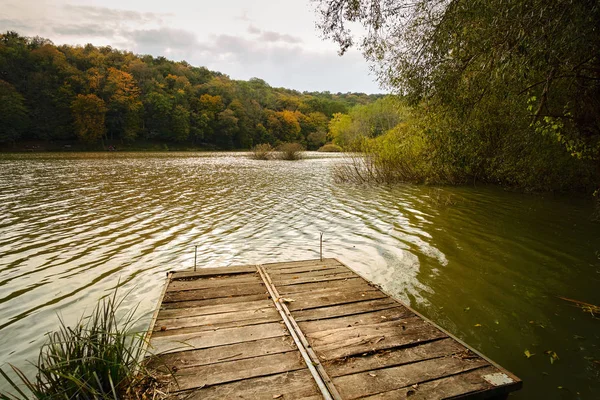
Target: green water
[{"x": 73, "y": 225}]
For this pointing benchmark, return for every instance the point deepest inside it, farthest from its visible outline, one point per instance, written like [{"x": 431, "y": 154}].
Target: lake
[{"x": 486, "y": 264}]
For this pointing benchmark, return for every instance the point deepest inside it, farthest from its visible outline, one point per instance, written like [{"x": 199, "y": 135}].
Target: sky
[{"x": 275, "y": 40}]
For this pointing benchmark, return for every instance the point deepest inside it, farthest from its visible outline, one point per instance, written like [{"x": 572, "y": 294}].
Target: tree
[
  {"x": 13, "y": 113},
  {"x": 539, "y": 55},
  {"x": 89, "y": 112}
]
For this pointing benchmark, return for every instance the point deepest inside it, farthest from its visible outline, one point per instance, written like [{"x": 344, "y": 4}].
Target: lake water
[{"x": 484, "y": 263}]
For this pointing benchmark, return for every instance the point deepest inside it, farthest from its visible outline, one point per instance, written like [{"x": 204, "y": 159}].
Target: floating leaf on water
[
  {"x": 478, "y": 325},
  {"x": 553, "y": 356},
  {"x": 528, "y": 354},
  {"x": 467, "y": 308},
  {"x": 577, "y": 337},
  {"x": 559, "y": 387}
]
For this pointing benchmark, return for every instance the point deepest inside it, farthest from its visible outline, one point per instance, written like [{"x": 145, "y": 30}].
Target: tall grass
[
  {"x": 290, "y": 151},
  {"x": 262, "y": 152},
  {"x": 397, "y": 156},
  {"x": 96, "y": 359}
]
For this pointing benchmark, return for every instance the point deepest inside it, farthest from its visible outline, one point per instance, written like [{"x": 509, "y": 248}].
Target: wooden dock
[{"x": 306, "y": 330}]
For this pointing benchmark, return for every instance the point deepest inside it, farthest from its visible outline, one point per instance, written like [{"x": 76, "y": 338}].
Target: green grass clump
[{"x": 99, "y": 358}]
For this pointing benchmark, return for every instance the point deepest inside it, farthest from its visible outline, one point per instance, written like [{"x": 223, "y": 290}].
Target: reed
[
  {"x": 262, "y": 152},
  {"x": 99, "y": 358},
  {"x": 290, "y": 151}
]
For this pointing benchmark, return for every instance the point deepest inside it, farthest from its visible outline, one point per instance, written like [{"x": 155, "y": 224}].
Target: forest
[{"x": 100, "y": 97}]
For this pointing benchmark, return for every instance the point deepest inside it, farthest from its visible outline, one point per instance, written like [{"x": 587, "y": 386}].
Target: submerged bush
[
  {"x": 262, "y": 152},
  {"x": 290, "y": 151},
  {"x": 330, "y": 148},
  {"x": 95, "y": 359}
]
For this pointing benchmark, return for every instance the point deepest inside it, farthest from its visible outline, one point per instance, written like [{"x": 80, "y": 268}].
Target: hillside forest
[{"x": 96, "y": 96}]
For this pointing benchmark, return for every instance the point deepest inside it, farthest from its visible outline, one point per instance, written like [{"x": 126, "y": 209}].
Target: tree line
[{"x": 100, "y": 95}]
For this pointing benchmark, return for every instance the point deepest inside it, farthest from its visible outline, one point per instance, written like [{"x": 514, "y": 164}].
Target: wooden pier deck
[{"x": 306, "y": 330}]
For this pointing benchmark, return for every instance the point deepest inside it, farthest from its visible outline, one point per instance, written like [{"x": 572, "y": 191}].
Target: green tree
[{"x": 13, "y": 113}]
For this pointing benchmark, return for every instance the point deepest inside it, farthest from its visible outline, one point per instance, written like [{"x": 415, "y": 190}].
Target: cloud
[
  {"x": 254, "y": 30},
  {"x": 270, "y": 36},
  {"x": 110, "y": 15}
]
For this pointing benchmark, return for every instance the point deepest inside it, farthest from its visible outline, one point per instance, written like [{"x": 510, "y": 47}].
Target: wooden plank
[
  {"x": 211, "y": 282},
  {"x": 470, "y": 382},
  {"x": 303, "y": 301},
  {"x": 255, "y": 305},
  {"x": 346, "y": 284},
  {"x": 313, "y": 274},
  {"x": 229, "y": 371},
  {"x": 179, "y": 326},
  {"x": 311, "y": 277},
  {"x": 214, "y": 302},
  {"x": 204, "y": 272},
  {"x": 292, "y": 385},
  {"x": 213, "y": 293},
  {"x": 384, "y": 380},
  {"x": 375, "y": 317},
  {"x": 212, "y": 355},
  {"x": 307, "y": 270},
  {"x": 345, "y": 309},
  {"x": 296, "y": 280},
  {"x": 219, "y": 337},
  {"x": 338, "y": 343},
  {"x": 303, "y": 263},
  {"x": 394, "y": 356}
]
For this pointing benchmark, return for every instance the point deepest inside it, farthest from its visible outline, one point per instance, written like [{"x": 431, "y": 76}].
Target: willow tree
[{"x": 533, "y": 64}]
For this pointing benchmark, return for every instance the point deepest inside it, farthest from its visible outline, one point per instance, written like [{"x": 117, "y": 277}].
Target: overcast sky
[{"x": 275, "y": 40}]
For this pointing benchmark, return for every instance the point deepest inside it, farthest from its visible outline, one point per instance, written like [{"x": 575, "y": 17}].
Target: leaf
[
  {"x": 372, "y": 374},
  {"x": 528, "y": 354},
  {"x": 287, "y": 300},
  {"x": 477, "y": 325},
  {"x": 553, "y": 356},
  {"x": 467, "y": 308},
  {"x": 277, "y": 396}
]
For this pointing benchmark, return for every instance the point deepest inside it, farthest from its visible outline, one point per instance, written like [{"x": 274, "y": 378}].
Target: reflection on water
[{"x": 73, "y": 226}]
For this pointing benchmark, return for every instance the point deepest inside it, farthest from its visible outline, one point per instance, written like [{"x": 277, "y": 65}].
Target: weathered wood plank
[
  {"x": 212, "y": 355},
  {"x": 393, "y": 357},
  {"x": 229, "y": 371},
  {"x": 214, "y": 309},
  {"x": 470, "y": 382},
  {"x": 204, "y": 272},
  {"x": 213, "y": 293},
  {"x": 302, "y": 263},
  {"x": 219, "y": 337},
  {"x": 311, "y": 277},
  {"x": 214, "y": 302},
  {"x": 296, "y": 280},
  {"x": 338, "y": 343},
  {"x": 330, "y": 269},
  {"x": 346, "y": 284},
  {"x": 293, "y": 385},
  {"x": 375, "y": 317},
  {"x": 212, "y": 282},
  {"x": 177, "y": 326},
  {"x": 384, "y": 380},
  {"x": 345, "y": 309},
  {"x": 303, "y": 301}
]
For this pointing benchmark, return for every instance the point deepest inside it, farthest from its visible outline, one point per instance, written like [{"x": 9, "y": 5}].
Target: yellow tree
[
  {"x": 89, "y": 112},
  {"x": 124, "y": 105}
]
